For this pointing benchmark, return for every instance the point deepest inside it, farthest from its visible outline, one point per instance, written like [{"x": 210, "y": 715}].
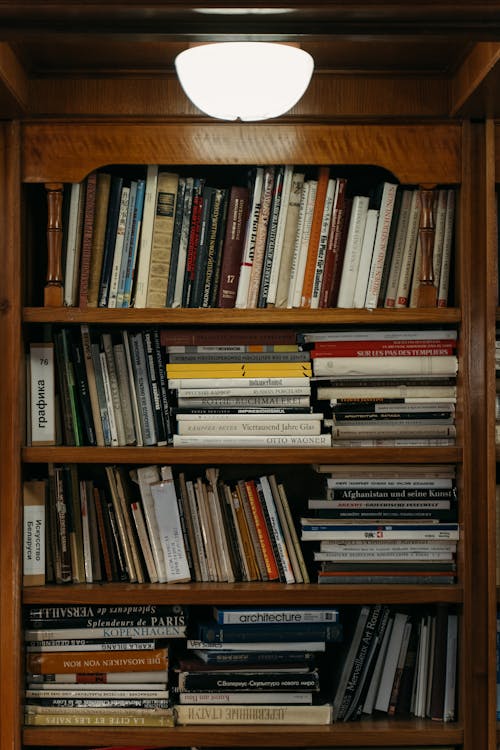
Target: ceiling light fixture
[{"x": 247, "y": 81}]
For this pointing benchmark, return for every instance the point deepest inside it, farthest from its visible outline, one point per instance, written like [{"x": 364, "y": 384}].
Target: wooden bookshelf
[{"x": 57, "y": 128}]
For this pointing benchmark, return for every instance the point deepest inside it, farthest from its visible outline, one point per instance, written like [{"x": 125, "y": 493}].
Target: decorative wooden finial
[
  {"x": 427, "y": 292},
  {"x": 53, "y": 293}
]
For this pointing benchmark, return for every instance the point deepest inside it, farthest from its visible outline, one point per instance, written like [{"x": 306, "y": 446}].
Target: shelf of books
[{"x": 243, "y": 484}]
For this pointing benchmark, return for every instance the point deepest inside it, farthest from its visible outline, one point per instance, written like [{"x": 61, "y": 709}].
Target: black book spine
[
  {"x": 109, "y": 238},
  {"x": 156, "y": 400},
  {"x": 161, "y": 376}
]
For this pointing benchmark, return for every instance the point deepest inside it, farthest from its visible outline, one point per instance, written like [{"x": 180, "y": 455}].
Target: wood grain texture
[{"x": 68, "y": 151}]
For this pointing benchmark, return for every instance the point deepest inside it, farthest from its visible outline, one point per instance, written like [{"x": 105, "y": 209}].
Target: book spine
[
  {"x": 112, "y": 219},
  {"x": 279, "y": 241},
  {"x": 193, "y": 240},
  {"x": 119, "y": 245},
  {"x": 289, "y": 235},
  {"x": 253, "y": 714},
  {"x": 142, "y": 388},
  {"x": 250, "y": 237},
  {"x": 144, "y": 255},
  {"x": 34, "y": 500},
  {"x": 161, "y": 243},
  {"x": 42, "y": 394},
  {"x": 88, "y": 228},
  {"x": 380, "y": 245},
  {"x": 311, "y": 256},
  {"x": 136, "y": 233},
  {"x": 271, "y": 239},
  {"x": 237, "y": 216},
  {"x": 399, "y": 244},
  {"x": 260, "y": 237},
  {"x": 131, "y": 218},
  {"x": 103, "y": 187}
]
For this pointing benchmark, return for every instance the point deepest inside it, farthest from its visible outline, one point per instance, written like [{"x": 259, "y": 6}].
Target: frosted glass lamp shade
[{"x": 244, "y": 80}]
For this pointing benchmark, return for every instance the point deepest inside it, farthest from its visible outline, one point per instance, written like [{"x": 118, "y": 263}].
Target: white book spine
[
  {"x": 354, "y": 250},
  {"x": 399, "y": 243},
  {"x": 34, "y": 492},
  {"x": 409, "y": 263},
  {"x": 290, "y": 232},
  {"x": 141, "y": 384},
  {"x": 73, "y": 243},
  {"x": 294, "y": 261},
  {"x": 304, "y": 244},
  {"x": 119, "y": 244},
  {"x": 146, "y": 476},
  {"x": 244, "y": 384},
  {"x": 250, "y": 237},
  {"x": 249, "y": 427},
  {"x": 113, "y": 386},
  {"x": 280, "y": 235},
  {"x": 441, "y": 200},
  {"x": 253, "y": 441},
  {"x": 42, "y": 394},
  {"x": 439, "y": 366},
  {"x": 323, "y": 241},
  {"x": 124, "y": 393},
  {"x": 109, "y": 400},
  {"x": 141, "y": 288},
  {"x": 390, "y": 663},
  {"x": 170, "y": 529},
  {"x": 380, "y": 245},
  {"x": 359, "y": 296}
]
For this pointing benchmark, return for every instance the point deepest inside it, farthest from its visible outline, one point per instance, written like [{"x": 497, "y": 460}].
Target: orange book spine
[
  {"x": 312, "y": 248},
  {"x": 262, "y": 531},
  {"x": 92, "y": 662}
]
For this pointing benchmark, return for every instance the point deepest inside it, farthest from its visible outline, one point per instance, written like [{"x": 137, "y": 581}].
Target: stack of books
[
  {"x": 267, "y": 236},
  {"x": 386, "y": 387},
  {"x": 242, "y": 394},
  {"x": 385, "y": 524},
  {"x": 257, "y": 666},
  {"x": 100, "y": 665},
  {"x": 399, "y": 662}
]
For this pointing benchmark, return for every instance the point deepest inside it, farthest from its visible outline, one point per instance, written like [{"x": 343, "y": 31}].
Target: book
[
  {"x": 276, "y": 615},
  {"x": 446, "y": 259},
  {"x": 337, "y": 235},
  {"x": 176, "y": 240},
  {"x": 125, "y": 288},
  {"x": 193, "y": 241},
  {"x": 77, "y": 719},
  {"x": 386, "y": 206},
  {"x": 161, "y": 241},
  {"x": 253, "y": 714},
  {"x": 180, "y": 270},
  {"x": 146, "y": 237},
  {"x": 252, "y": 441},
  {"x": 119, "y": 244},
  {"x": 73, "y": 242},
  {"x": 210, "y": 201},
  {"x": 322, "y": 529},
  {"x": 261, "y": 231},
  {"x": 112, "y": 219},
  {"x": 252, "y": 680},
  {"x": 141, "y": 386},
  {"x": 405, "y": 209},
  {"x": 86, "y": 241},
  {"x": 91, "y": 662},
  {"x": 366, "y": 253},
  {"x": 212, "y": 632},
  {"x": 256, "y": 192},
  {"x": 233, "y": 696},
  {"x": 413, "y": 366},
  {"x": 272, "y": 238},
  {"x": 42, "y": 393},
  {"x": 324, "y": 187},
  {"x": 347, "y": 658},
  {"x": 289, "y": 234},
  {"x": 113, "y": 631},
  {"x": 353, "y": 250},
  {"x": 409, "y": 253},
  {"x": 34, "y": 529},
  {"x": 279, "y": 239},
  {"x": 323, "y": 242},
  {"x": 302, "y": 243},
  {"x": 169, "y": 527},
  {"x": 103, "y": 187},
  {"x": 232, "y": 249}
]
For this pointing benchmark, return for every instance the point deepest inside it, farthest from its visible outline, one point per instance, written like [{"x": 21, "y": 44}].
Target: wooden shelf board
[
  {"x": 219, "y": 316},
  {"x": 367, "y": 733},
  {"x": 274, "y": 456},
  {"x": 236, "y": 594}
]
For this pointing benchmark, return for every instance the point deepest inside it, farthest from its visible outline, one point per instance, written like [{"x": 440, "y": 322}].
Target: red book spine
[
  {"x": 334, "y": 237},
  {"x": 262, "y": 531},
  {"x": 383, "y": 349},
  {"x": 232, "y": 250},
  {"x": 194, "y": 236}
]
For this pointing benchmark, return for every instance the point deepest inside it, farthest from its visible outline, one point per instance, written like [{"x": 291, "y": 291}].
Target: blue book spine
[
  {"x": 212, "y": 632},
  {"x": 134, "y": 243}
]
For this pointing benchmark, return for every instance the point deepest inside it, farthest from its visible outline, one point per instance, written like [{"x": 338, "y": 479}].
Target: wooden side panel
[{"x": 11, "y": 380}]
